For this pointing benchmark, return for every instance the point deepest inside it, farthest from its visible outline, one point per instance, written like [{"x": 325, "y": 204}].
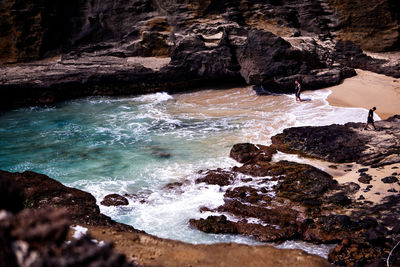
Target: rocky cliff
[
  {"x": 34, "y": 29},
  {"x": 141, "y": 46}
]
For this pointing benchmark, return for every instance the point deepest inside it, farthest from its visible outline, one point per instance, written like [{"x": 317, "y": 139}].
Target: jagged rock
[
  {"x": 365, "y": 178},
  {"x": 219, "y": 177},
  {"x": 245, "y": 151},
  {"x": 345, "y": 143},
  {"x": 351, "y": 252},
  {"x": 390, "y": 180},
  {"x": 114, "y": 200},
  {"x": 326, "y": 142},
  {"x": 299, "y": 182},
  {"x": 245, "y": 193},
  {"x": 39, "y": 225},
  {"x": 308, "y": 204},
  {"x": 214, "y": 224},
  {"x": 41, "y": 192},
  {"x": 349, "y": 54}
]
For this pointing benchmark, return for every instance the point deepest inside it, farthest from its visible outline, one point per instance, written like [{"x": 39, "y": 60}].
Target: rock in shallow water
[{"x": 114, "y": 200}]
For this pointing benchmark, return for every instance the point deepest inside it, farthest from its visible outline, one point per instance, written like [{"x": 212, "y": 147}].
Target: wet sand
[
  {"x": 147, "y": 250},
  {"x": 367, "y": 90}
]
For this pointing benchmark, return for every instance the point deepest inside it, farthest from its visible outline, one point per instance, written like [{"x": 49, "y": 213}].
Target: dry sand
[
  {"x": 374, "y": 191},
  {"x": 367, "y": 90}
]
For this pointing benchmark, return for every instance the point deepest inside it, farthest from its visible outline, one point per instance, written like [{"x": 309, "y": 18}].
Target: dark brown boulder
[
  {"x": 244, "y": 152},
  {"x": 114, "y": 200},
  {"x": 390, "y": 180},
  {"x": 365, "y": 178},
  {"x": 41, "y": 192},
  {"x": 215, "y": 225},
  {"x": 219, "y": 177}
]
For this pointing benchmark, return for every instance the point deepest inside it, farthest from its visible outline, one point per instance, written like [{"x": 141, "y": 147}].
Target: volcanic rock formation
[
  {"x": 306, "y": 203},
  {"x": 36, "y": 235}
]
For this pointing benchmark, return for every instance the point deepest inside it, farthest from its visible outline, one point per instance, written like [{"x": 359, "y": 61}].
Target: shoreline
[
  {"x": 316, "y": 190},
  {"x": 366, "y": 90}
]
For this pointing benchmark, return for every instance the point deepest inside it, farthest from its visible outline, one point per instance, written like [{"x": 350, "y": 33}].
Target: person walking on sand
[
  {"x": 370, "y": 118},
  {"x": 297, "y": 88}
]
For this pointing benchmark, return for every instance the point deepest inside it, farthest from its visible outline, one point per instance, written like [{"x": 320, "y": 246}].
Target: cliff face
[
  {"x": 35, "y": 29},
  {"x": 373, "y": 25}
]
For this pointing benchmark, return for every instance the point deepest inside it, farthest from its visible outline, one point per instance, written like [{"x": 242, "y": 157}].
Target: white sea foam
[
  {"x": 321, "y": 249},
  {"x": 136, "y": 145},
  {"x": 79, "y": 231},
  {"x": 154, "y": 98}
]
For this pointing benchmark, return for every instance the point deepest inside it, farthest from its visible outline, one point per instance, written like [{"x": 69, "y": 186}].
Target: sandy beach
[
  {"x": 367, "y": 90},
  {"x": 372, "y": 189}
]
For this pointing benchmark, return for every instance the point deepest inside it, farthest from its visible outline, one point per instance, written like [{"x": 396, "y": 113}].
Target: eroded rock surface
[
  {"x": 114, "y": 200},
  {"x": 141, "y": 46},
  {"x": 275, "y": 201},
  {"x": 345, "y": 143},
  {"x": 42, "y": 192},
  {"x": 36, "y": 236}
]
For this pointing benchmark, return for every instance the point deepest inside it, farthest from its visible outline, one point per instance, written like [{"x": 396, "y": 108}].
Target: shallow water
[{"x": 137, "y": 145}]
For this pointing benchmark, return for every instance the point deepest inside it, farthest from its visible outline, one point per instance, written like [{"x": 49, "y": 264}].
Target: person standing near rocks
[
  {"x": 370, "y": 118},
  {"x": 297, "y": 88}
]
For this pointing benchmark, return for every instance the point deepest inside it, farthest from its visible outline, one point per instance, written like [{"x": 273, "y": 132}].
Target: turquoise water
[{"x": 137, "y": 145}]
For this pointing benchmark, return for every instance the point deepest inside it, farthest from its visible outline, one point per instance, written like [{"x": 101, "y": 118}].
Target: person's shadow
[{"x": 305, "y": 99}]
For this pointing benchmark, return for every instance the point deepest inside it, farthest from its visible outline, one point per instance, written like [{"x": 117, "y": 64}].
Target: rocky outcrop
[
  {"x": 351, "y": 55},
  {"x": 114, "y": 200},
  {"x": 36, "y": 235},
  {"x": 245, "y": 151},
  {"x": 41, "y": 192},
  {"x": 345, "y": 143},
  {"x": 285, "y": 200},
  {"x": 306, "y": 204}
]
